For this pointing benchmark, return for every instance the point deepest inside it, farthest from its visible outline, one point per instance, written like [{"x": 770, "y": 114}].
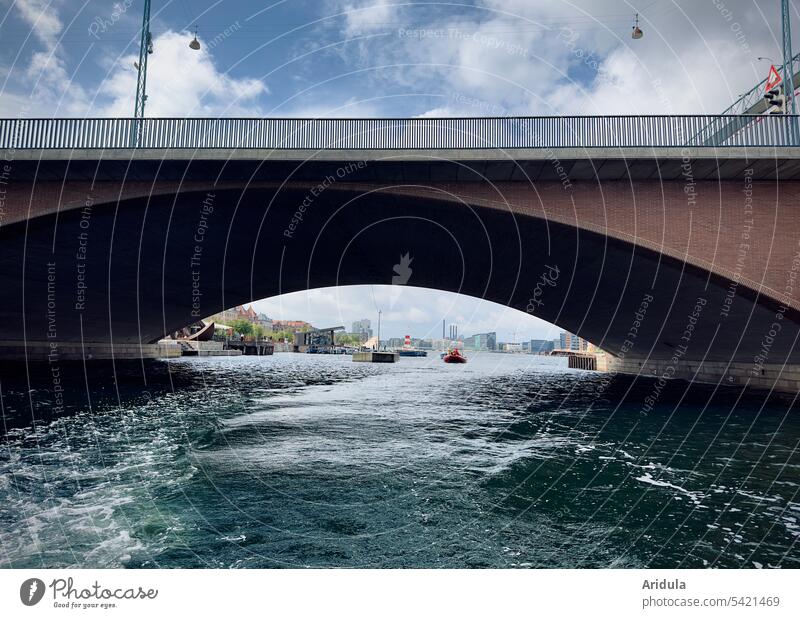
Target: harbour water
[{"x": 509, "y": 461}]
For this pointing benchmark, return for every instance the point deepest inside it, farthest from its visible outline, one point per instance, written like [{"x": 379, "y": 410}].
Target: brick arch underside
[{"x": 132, "y": 271}]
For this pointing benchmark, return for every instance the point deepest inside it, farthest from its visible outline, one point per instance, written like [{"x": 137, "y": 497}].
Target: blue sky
[
  {"x": 386, "y": 58},
  {"x": 370, "y": 58}
]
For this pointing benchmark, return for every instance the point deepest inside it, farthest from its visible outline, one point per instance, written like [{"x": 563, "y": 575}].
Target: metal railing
[{"x": 399, "y": 133}]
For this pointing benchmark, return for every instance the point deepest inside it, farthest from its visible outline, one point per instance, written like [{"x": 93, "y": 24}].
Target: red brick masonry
[{"x": 743, "y": 230}]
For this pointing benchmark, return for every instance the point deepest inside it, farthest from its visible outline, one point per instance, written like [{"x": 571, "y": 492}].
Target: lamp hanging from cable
[
  {"x": 637, "y": 31},
  {"x": 195, "y": 44}
]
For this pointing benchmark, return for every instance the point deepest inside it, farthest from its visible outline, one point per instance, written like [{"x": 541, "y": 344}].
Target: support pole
[
  {"x": 145, "y": 49},
  {"x": 788, "y": 72}
]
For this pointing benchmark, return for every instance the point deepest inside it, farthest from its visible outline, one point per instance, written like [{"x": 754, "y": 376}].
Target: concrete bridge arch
[{"x": 644, "y": 255}]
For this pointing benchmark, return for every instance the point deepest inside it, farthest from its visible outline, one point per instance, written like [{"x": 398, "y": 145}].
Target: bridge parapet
[{"x": 541, "y": 132}]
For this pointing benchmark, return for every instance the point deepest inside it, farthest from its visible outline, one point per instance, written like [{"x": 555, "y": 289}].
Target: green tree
[
  {"x": 258, "y": 331},
  {"x": 347, "y": 339},
  {"x": 282, "y": 334},
  {"x": 243, "y": 327}
]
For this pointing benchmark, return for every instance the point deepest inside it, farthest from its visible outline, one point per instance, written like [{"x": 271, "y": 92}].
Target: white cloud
[
  {"x": 534, "y": 58},
  {"x": 180, "y": 82},
  {"x": 50, "y": 88},
  {"x": 300, "y": 107},
  {"x": 43, "y": 19},
  {"x": 368, "y": 16}
]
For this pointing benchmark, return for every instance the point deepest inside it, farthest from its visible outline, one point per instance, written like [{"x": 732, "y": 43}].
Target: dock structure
[
  {"x": 251, "y": 348},
  {"x": 370, "y": 356},
  {"x": 582, "y": 361},
  {"x": 172, "y": 348},
  {"x": 317, "y": 340}
]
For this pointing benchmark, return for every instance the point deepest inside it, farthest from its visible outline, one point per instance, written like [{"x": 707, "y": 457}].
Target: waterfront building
[
  {"x": 540, "y": 346},
  {"x": 265, "y": 321},
  {"x": 593, "y": 349},
  {"x": 568, "y": 341},
  {"x": 481, "y": 342},
  {"x": 291, "y": 325},
  {"x": 225, "y": 317},
  {"x": 363, "y": 328},
  {"x": 239, "y": 312}
]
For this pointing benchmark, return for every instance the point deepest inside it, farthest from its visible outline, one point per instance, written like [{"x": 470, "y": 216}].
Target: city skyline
[{"x": 402, "y": 313}]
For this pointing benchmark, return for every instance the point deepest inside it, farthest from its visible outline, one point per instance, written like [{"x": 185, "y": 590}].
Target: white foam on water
[
  {"x": 648, "y": 478},
  {"x": 755, "y": 496}
]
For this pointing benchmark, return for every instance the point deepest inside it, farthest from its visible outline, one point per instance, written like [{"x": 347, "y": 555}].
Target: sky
[{"x": 387, "y": 58}]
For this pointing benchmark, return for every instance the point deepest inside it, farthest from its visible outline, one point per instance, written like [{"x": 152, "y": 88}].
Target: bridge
[{"x": 669, "y": 241}]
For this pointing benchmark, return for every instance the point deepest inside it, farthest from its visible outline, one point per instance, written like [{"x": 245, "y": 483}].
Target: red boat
[{"x": 454, "y": 356}]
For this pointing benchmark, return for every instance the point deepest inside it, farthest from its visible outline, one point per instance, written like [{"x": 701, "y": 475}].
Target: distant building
[
  {"x": 512, "y": 347},
  {"x": 240, "y": 313},
  {"x": 453, "y": 332},
  {"x": 568, "y": 341},
  {"x": 424, "y": 344},
  {"x": 441, "y": 344},
  {"x": 265, "y": 321},
  {"x": 481, "y": 342},
  {"x": 363, "y": 328},
  {"x": 394, "y": 342},
  {"x": 290, "y": 325},
  {"x": 593, "y": 349},
  {"x": 540, "y": 346},
  {"x": 227, "y": 316}
]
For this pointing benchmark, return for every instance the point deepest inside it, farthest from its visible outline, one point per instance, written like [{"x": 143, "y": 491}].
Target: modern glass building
[
  {"x": 541, "y": 346},
  {"x": 481, "y": 341}
]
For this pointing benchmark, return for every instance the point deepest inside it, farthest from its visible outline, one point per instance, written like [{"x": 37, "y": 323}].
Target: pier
[
  {"x": 375, "y": 357},
  {"x": 251, "y": 348}
]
